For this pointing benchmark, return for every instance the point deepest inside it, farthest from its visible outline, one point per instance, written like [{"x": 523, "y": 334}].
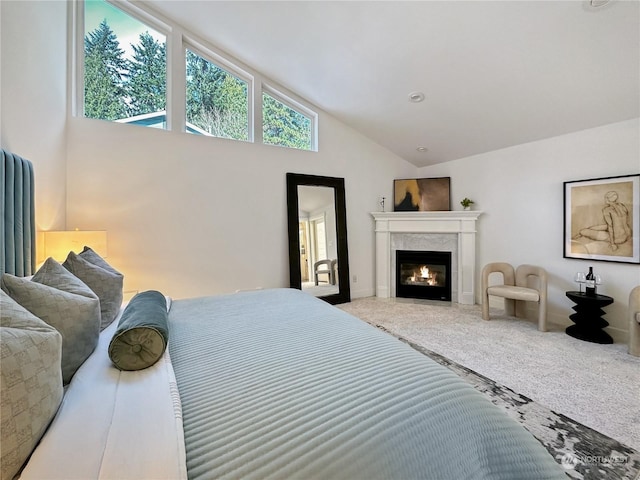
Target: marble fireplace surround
[{"x": 453, "y": 232}]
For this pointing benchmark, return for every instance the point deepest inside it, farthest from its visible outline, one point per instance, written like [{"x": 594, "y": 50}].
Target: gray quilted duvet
[{"x": 278, "y": 384}]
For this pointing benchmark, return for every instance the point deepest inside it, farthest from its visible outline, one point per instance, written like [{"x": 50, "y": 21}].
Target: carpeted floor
[
  {"x": 320, "y": 290},
  {"x": 572, "y": 394}
]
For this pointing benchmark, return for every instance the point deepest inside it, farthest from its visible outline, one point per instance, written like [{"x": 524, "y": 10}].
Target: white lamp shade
[{"x": 58, "y": 244}]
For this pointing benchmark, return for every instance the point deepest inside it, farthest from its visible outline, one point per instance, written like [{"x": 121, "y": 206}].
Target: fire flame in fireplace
[{"x": 426, "y": 276}]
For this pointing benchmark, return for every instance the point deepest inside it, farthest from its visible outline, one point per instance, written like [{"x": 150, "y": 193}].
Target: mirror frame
[{"x": 295, "y": 276}]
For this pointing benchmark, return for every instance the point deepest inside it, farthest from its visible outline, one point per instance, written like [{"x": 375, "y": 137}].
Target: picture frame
[
  {"x": 602, "y": 219},
  {"x": 422, "y": 194}
]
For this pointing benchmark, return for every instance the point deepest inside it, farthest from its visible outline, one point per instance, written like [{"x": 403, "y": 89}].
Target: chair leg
[
  {"x": 542, "y": 317},
  {"x": 485, "y": 305},
  {"x": 510, "y": 307},
  {"x": 634, "y": 337}
]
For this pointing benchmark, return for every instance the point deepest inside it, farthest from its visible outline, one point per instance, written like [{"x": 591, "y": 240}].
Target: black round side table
[{"x": 588, "y": 317}]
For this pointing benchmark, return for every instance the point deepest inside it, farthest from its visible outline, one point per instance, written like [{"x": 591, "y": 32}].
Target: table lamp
[{"x": 58, "y": 244}]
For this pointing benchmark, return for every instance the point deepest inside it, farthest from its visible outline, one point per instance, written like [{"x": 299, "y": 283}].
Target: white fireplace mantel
[{"x": 461, "y": 223}]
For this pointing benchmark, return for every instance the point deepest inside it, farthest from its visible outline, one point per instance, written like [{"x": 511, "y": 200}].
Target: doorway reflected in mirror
[{"x": 318, "y": 240}]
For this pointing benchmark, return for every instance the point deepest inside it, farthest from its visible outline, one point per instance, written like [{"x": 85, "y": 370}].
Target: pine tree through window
[
  {"x": 125, "y": 68},
  {"x": 284, "y": 126},
  {"x": 217, "y": 101}
]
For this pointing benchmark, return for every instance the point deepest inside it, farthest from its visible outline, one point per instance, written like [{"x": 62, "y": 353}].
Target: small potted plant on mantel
[{"x": 466, "y": 203}]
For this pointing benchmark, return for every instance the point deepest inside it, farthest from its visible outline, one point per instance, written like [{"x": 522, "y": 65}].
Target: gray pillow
[
  {"x": 76, "y": 317},
  {"x": 142, "y": 333},
  {"x": 53, "y": 274},
  {"x": 103, "y": 279},
  {"x": 31, "y": 382}
]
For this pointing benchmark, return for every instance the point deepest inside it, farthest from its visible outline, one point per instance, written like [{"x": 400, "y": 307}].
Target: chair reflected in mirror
[{"x": 325, "y": 267}]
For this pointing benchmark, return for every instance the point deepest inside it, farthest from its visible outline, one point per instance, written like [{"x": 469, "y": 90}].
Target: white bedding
[{"x": 114, "y": 424}]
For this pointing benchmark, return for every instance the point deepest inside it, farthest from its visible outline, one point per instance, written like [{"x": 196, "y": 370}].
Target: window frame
[
  {"x": 296, "y": 106},
  {"x": 229, "y": 67},
  {"x": 151, "y": 21},
  {"x": 177, "y": 41}
]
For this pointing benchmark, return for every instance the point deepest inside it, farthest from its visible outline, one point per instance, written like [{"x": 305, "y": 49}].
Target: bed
[{"x": 273, "y": 384}]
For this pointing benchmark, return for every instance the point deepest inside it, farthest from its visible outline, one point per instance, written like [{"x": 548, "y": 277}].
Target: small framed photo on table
[{"x": 602, "y": 218}]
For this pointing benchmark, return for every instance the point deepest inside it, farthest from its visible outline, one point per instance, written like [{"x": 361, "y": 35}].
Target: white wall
[
  {"x": 33, "y": 86},
  {"x": 192, "y": 215},
  {"x": 185, "y": 214},
  {"x": 520, "y": 191}
]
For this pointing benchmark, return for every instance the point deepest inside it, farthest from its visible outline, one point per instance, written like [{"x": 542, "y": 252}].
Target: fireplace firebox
[{"x": 423, "y": 274}]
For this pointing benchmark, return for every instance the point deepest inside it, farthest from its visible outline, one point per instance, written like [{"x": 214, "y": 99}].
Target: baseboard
[
  {"x": 562, "y": 320},
  {"x": 362, "y": 292}
]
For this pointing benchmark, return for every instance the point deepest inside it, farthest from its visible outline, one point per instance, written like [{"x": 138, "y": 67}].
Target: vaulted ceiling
[{"x": 493, "y": 73}]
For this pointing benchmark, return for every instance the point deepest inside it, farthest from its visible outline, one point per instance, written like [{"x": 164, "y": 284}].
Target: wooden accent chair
[
  {"x": 634, "y": 322},
  {"x": 516, "y": 289}
]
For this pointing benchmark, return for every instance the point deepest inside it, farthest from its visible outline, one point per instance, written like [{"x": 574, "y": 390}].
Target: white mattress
[{"x": 114, "y": 425}]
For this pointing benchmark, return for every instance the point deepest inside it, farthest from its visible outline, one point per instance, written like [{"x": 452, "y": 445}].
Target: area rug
[{"x": 583, "y": 452}]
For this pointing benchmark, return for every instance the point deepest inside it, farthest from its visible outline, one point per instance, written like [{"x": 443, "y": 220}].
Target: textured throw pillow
[
  {"x": 76, "y": 317},
  {"x": 31, "y": 382},
  {"x": 103, "y": 279},
  {"x": 142, "y": 333},
  {"x": 53, "y": 274}
]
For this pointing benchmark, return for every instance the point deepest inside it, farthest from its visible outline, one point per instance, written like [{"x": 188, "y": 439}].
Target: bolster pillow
[{"x": 142, "y": 333}]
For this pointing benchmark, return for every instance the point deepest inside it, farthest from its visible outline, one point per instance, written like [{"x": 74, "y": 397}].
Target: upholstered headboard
[{"x": 18, "y": 228}]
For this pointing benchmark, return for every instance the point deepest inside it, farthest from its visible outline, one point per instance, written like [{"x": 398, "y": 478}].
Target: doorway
[{"x": 303, "y": 228}]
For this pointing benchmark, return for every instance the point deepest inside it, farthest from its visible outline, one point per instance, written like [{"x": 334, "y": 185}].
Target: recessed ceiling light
[
  {"x": 416, "y": 97},
  {"x": 598, "y": 3},
  {"x": 422, "y": 149}
]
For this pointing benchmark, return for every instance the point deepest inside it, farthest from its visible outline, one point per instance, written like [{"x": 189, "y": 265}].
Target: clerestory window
[
  {"x": 125, "y": 80},
  {"x": 125, "y": 68},
  {"x": 285, "y": 126},
  {"x": 217, "y": 101}
]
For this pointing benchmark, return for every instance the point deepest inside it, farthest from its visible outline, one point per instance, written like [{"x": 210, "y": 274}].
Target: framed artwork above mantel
[
  {"x": 602, "y": 219},
  {"x": 422, "y": 194}
]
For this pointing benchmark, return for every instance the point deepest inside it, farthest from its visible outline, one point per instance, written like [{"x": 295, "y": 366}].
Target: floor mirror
[{"x": 317, "y": 227}]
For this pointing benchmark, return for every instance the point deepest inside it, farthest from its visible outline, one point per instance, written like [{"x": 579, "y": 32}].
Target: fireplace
[
  {"x": 453, "y": 232},
  {"x": 423, "y": 274}
]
